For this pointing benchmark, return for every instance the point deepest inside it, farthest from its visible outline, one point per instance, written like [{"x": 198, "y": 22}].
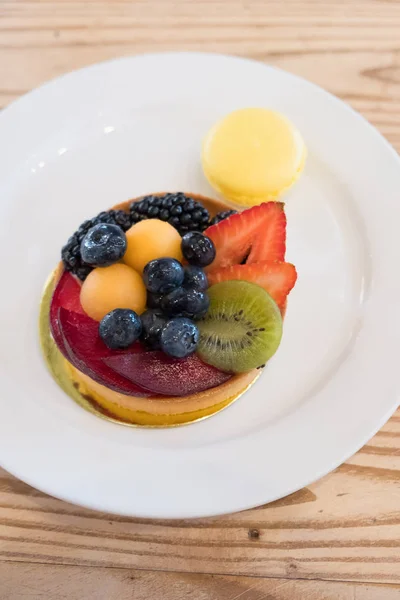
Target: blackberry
[
  {"x": 120, "y": 218},
  {"x": 181, "y": 211},
  {"x": 222, "y": 215},
  {"x": 71, "y": 252}
]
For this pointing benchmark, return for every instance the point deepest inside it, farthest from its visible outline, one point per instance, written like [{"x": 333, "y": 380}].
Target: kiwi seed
[{"x": 242, "y": 328}]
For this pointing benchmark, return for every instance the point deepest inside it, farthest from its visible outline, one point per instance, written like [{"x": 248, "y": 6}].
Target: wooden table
[{"x": 338, "y": 539}]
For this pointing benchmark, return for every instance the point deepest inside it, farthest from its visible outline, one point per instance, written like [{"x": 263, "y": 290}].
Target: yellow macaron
[{"x": 252, "y": 155}]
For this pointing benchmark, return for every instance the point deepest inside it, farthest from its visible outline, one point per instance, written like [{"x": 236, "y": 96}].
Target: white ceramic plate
[{"x": 120, "y": 129}]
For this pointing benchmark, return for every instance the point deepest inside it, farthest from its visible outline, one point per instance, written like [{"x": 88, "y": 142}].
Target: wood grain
[
  {"x": 31, "y": 582},
  {"x": 344, "y": 529},
  {"x": 350, "y": 48}
]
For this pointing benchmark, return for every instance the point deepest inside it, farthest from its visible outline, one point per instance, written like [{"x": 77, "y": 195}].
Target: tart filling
[
  {"x": 164, "y": 309},
  {"x": 114, "y": 336}
]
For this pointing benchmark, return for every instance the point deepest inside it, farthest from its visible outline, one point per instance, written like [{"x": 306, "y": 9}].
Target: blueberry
[
  {"x": 198, "y": 249},
  {"x": 152, "y": 323},
  {"x": 183, "y": 302},
  {"x": 154, "y": 300},
  {"x": 195, "y": 278},
  {"x": 120, "y": 328},
  {"x": 179, "y": 337},
  {"x": 103, "y": 245},
  {"x": 163, "y": 275}
]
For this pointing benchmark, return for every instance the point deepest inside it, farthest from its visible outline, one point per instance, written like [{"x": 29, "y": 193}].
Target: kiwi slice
[{"x": 242, "y": 328}]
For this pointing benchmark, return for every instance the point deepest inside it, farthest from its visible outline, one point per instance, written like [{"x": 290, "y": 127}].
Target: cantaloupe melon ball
[
  {"x": 117, "y": 286},
  {"x": 151, "y": 239}
]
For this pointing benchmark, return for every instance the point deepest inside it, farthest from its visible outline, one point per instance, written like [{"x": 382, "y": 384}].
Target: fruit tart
[{"x": 164, "y": 309}]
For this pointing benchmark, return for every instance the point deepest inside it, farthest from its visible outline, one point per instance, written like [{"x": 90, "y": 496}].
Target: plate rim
[{"x": 69, "y": 497}]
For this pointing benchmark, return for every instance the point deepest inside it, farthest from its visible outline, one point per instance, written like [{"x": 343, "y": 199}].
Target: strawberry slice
[
  {"x": 277, "y": 278},
  {"x": 270, "y": 243},
  {"x": 254, "y": 235}
]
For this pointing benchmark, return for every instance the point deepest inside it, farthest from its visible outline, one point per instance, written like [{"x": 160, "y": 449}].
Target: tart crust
[{"x": 157, "y": 411}]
